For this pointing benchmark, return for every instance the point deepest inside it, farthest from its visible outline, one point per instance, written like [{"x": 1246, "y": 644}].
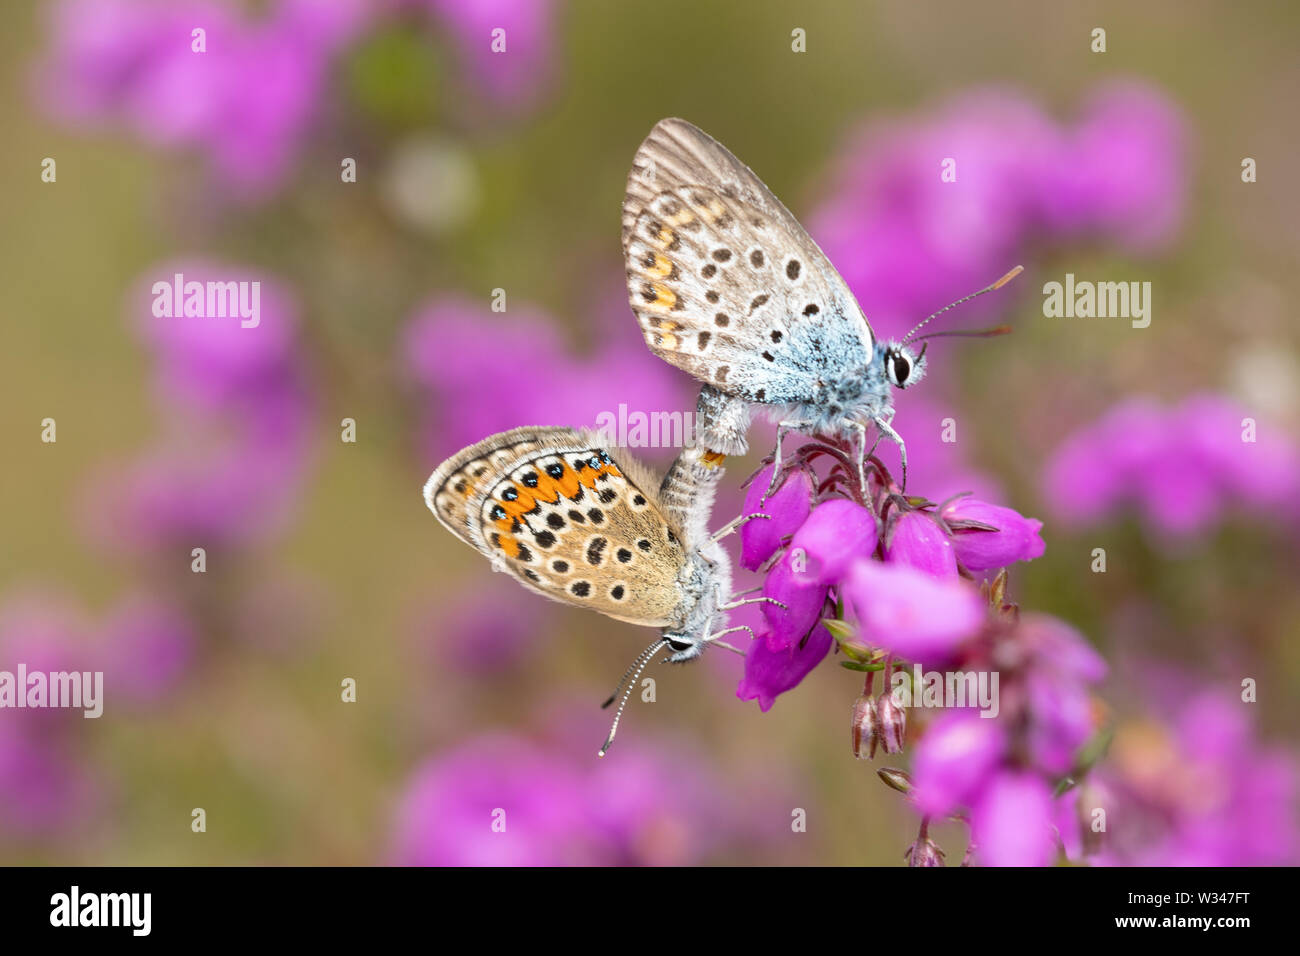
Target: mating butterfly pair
[{"x": 728, "y": 286}]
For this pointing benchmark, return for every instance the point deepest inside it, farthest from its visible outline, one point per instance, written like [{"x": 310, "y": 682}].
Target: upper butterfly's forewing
[
  {"x": 567, "y": 519},
  {"x": 725, "y": 282}
]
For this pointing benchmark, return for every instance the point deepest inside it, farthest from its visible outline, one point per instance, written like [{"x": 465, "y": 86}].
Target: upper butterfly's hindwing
[
  {"x": 567, "y": 520},
  {"x": 725, "y": 282}
]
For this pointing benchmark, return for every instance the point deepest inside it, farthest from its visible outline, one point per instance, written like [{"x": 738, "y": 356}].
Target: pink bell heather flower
[
  {"x": 911, "y": 613},
  {"x": 770, "y": 673},
  {"x": 916, "y": 540},
  {"x": 957, "y": 754},
  {"x": 836, "y": 534},
  {"x": 788, "y": 508},
  {"x": 788, "y": 624},
  {"x": 1011, "y": 822},
  {"x": 1016, "y": 537}
]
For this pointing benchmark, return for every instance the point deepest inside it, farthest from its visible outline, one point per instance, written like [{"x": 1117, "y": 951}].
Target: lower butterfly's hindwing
[
  {"x": 568, "y": 520},
  {"x": 725, "y": 282}
]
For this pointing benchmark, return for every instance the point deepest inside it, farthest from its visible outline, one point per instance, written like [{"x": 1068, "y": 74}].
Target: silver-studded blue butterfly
[{"x": 728, "y": 286}]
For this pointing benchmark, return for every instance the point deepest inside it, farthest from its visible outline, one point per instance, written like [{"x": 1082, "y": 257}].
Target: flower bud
[
  {"x": 924, "y": 852},
  {"x": 896, "y": 779},
  {"x": 866, "y": 727},
  {"x": 893, "y": 724}
]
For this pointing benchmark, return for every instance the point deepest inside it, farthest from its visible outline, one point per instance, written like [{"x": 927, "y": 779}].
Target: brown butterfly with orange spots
[{"x": 588, "y": 525}]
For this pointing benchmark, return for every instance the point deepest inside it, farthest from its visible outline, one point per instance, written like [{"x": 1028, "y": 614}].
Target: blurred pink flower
[
  {"x": 906, "y": 241},
  {"x": 247, "y": 101},
  {"x": 483, "y": 372},
  {"x": 957, "y": 754},
  {"x": 46, "y": 787},
  {"x": 1011, "y": 822},
  {"x": 517, "y": 74},
  {"x": 506, "y": 801},
  {"x": 1001, "y": 766},
  {"x": 147, "y": 645},
  {"x": 251, "y": 98},
  {"x": 238, "y": 411},
  {"x": 487, "y": 630},
  {"x": 1182, "y": 468},
  {"x": 1189, "y": 785}
]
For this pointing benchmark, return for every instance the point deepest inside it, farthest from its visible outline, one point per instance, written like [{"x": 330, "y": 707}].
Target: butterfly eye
[
  {"x": 680, "y": 645},
  {"x": 899, "y": 369}
]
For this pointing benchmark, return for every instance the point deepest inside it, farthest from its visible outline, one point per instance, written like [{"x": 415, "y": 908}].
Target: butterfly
[
  {"x": 589, "y": 526},
  {"x": 728, "y": 286}
]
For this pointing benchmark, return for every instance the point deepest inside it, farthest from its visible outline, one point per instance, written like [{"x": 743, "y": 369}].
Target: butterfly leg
[
  {"x": 861, "y": 429},
  {"x": 733, "y": 525},
  {"x": 888, "y": 431},
  {"x": 761, "y": 600},
  {"x": 783, "y": 429},
  {"x": 711, "y": 638},
  {"x": 731, "y": 647}
]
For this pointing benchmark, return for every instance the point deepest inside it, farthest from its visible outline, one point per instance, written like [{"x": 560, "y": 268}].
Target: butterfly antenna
[
  {"x": 627, "y": 673},
  {"x": 967, "y": 333},
  {"x": 974, "y": 295},
  {"x": 638, "y": 666}
]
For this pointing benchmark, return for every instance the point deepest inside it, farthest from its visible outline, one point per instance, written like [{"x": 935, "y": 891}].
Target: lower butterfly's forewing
[
  {"x": 566, "y": 519},
  {"x": 725, "y": 282}
]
